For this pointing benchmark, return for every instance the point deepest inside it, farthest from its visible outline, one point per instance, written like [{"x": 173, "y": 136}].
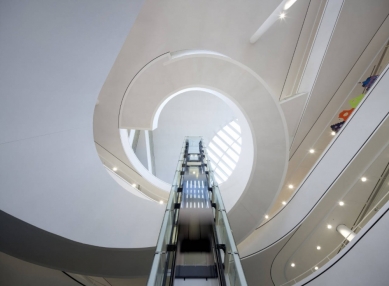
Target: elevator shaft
[{"x": 195, "y": 245}]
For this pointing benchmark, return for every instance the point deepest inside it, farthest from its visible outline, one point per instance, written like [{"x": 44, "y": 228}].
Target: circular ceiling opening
[{"x": 192, "y": 113}]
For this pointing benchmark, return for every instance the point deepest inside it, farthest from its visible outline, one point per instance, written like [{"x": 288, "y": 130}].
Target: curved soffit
[
  {"x": 349, "y": 142},
  {"x": 247, "y": 94}
]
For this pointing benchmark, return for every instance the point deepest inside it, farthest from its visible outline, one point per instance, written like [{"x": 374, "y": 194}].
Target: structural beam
[{"x": 150, "y": 151}]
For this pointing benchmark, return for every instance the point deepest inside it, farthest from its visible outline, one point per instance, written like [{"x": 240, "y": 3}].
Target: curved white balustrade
[{"x": 357, "y": 131}]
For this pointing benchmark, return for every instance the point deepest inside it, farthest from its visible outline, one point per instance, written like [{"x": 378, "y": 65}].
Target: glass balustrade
[{"x": 378, "y": 198}]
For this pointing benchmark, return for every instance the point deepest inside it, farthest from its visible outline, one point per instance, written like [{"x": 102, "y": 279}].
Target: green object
[{"x": 356, "y": 100}]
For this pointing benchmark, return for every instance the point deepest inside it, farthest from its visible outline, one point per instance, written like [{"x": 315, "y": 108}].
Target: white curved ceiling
[
  {"x": 52, "y": 78},
  {"x": 247, "y": 94}
]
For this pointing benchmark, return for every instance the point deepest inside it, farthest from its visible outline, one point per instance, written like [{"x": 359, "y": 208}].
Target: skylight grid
[
  {"x": 226, "y": 170},
  {"x": 220, "y": 143},
  {"x": 221, "y": 175},
  {"x": 213, "y": 157},
  {"x": 225, "y": 137},
  {"x": 232, "y": 133},
  {"x": 218, "y": 179},
  {"x": 215, "y": 149},
  {"x": 236, "y": 147},
  {"x": 224, "y": 150},
  {"x": 235, "y": 125},
  {"x": 233, "y": 155},
  {"x": 228, "y": 162}
]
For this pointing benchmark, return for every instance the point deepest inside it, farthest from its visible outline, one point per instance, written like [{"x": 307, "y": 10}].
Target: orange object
[{"x": 345, "y": 114}]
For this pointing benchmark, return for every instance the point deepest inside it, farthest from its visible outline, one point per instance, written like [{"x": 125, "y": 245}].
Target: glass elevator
[{"x": 195, "y": 245}]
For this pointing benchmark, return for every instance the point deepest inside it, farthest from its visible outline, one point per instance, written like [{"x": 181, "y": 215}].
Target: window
[{"x": 224, "y": 150}]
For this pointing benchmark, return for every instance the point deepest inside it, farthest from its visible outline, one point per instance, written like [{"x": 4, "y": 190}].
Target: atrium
[{"x": 290, "y": 98}]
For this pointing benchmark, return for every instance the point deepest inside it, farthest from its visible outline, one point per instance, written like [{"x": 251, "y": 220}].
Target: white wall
[{"x": 55, "y": 56}]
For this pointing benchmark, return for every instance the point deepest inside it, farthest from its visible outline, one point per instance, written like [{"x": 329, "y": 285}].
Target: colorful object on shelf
[
  {"x": 345, "y": 114},
  {"x": 336, "y": 127},
  {"x": 356, "y": 100},
  {"x": 369, "y": 82}
]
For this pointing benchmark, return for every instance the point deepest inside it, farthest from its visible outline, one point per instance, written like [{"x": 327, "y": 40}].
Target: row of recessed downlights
[
  {"x": 329, "y": 226},
  {"x": 134, "y": 185},
  {"x": 341, "y": 203},
  {"x": 363, "y": 179},
  {"x": 312, "y": 151},
  {"x": 316, "y": 267}
]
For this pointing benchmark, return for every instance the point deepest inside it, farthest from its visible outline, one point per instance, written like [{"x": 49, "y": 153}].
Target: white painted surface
[
  {"x": 339, "y": 153},
  {"x": 126, "y": 185},
  {"x": 350, "y": 39},
  {"x": 141, "y": 149},
  {"x": 301, "y": 248},
  {"x": 54, "y": 62},
  {"x": 320, "y": 45},
  {"x": 150, "y": 184},
  {"x": 210, "y": 31},
  {"x": 319, "y": 136},
  {"x": 318, "y": 52},
  {"x": 148, "y": 151},
  {"x": 253, "y": 188},
  {"x": 274, "y": 17},
  {"x": 293, "y": 108},
  {"x": 299, "y": 244},
  {"x": 363, "y": 261}
]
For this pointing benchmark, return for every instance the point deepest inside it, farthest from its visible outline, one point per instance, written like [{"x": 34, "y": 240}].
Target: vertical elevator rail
[
  {"x": 174, "y": 234},
  {"x": 193, "y": 235},
  {"x": 219, "y": 263}
]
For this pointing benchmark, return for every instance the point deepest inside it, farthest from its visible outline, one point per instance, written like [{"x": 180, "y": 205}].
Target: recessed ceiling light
[
  {"x": 194, "y": 172},
  {"x": 282, "y": 15},
  {"x": 290, "y": 186},
  {"x": 311, "y": 151},
  {"x": 363, "y": 179},
  {"x": 114, "y": 169},
  {"x": 329, "y": 226},
  {"x": 333, "y": 133},
  {"x": 316, "y": 268},
  {"x": 134, "y": 185},
  {"x": 161, "y": 202},
  {"x": 293, "y": 265},
  {"x": 266, "y": 216},
  {"x": 318, "y": 247},
  {"x": 284, "y": 203},
  {"x": 341, "y": 203}
]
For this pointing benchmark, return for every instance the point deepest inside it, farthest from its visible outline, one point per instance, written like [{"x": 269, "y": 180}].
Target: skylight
[{"x": 224, "y": 150}]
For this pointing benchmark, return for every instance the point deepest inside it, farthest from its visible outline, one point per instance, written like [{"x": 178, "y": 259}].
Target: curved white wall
[{"x": 53, "y": 67}]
